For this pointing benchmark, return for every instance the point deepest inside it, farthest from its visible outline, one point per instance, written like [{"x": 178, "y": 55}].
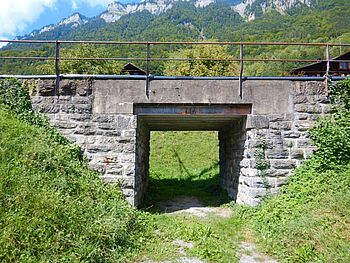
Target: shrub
[{"x": 331, "y": 135}]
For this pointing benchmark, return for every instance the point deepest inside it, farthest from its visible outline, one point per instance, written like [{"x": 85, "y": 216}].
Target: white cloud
[{"x": 15, "y": 15}]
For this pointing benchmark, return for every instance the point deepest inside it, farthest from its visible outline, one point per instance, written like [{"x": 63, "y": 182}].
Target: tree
[
  {"x": 84, "y": 66},
  {"x": 216, "y": 62}
]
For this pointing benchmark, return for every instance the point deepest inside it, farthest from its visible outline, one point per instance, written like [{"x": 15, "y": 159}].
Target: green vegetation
[
  {"x": 309, "y": 220},
  {"x": 198, "y": 66},
  {"x": 53, "y": 208},
  {"x": 185, "y": 163},
  {"x": 325, "y": 21},
  {"x": 91, "y": 66},
  {"x": 214, "y": 239}
]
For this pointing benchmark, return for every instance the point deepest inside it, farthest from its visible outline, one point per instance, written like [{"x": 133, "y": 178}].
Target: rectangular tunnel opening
[
  {"x": 188, "y": 156},
  {"x": 184, "y": 170}
]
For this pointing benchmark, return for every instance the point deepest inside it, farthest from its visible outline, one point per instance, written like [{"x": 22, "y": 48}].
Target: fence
[{"x": 148, "y": 58}]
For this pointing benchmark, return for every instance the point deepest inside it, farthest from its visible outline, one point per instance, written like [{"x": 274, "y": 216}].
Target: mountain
[
  {"x": 191, "y": 20},
  {"x": 67, "y": 24},
  {"x": 247, "y": 9},
  {"x": 250, "y": 9}
]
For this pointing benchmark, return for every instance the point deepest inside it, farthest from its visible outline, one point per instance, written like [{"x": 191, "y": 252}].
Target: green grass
[
  {"x": 53, "y": 208},
  {"x": 215, "y": 239},
  {"x": 309, "y": 221},
  {"x": 185, "y": 163}
]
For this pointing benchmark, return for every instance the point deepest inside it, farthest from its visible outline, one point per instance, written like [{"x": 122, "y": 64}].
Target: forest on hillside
[{"x": 325, "y": 22}]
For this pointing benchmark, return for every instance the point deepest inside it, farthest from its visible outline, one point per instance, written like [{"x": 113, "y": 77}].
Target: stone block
[
  {"x": 81, "y": 100},
  {"x": 250, "y": 172},
  {"x": 283, "y": 164},
  {"x": 277, "y": 153},
  {"x": 255, "y": 182},
  {"x": 127, "y": 158},
  {"x": 83, "y": 108},
  {"x": 291, "y": 134},
  {"x": 257, "y": 122},
  {"x": 111, "y": 133},
  {"x": 46, "y": 87},
  {"x": 277, "y": 172},
  {"x": 303, "y": 125},
  {"x": 297, "y": 154},
  {"x": 103, "y": 118},
  {"x": 67, "y": 87},
  {"x": 48, "y": 108},
  {"x": 84, "y": 88},
  {"x": 99, "y": 148},
  {"x": 114, "y": 169},
  {"x": 129, "y": 170},
  {"x": 100, "y": 168},
  {"x": 106, "y": 126}
]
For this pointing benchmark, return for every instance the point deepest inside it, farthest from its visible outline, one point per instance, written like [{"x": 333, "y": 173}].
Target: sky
[{"x": 20, "y": 17}]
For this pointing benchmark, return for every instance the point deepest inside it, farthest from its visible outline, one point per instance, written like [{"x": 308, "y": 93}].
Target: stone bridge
[{"x": 262, "y": 136}]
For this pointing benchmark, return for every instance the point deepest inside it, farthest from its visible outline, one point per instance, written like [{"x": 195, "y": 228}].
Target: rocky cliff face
[
  {"x": 116, "y": 10},
  {"x": 249, "y": 8}
]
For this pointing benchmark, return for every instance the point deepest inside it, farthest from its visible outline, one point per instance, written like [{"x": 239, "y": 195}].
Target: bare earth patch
[{"x": 190, "y": 205}]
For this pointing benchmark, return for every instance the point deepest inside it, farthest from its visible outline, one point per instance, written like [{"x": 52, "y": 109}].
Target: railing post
[
  {"x": 148, "y": 69},
  {"x": 328, "y": 57},
  {"x": 57, "y": 68},
  {"x": 241, "y": 56}
]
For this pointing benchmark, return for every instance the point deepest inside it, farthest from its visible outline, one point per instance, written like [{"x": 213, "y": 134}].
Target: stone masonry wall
[
  {"x": 231, "y": 148},
  {"x": 108, "y": 141},
  {"x": 275, "y": 144},
  {"x": 257, "y": 153},
  {"x": 142, "y": 160}
]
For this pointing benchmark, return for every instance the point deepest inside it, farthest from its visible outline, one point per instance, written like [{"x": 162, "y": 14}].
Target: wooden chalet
[
  {"x": 337, "y": 68},
  {"x": 131, "y": 69}
]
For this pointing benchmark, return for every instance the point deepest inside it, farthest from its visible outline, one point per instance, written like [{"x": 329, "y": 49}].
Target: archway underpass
[{"x": 228, "y": 121}]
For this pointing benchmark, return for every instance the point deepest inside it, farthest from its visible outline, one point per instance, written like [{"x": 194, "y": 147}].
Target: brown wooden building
[
  {"x": 131, "y": 69},
  {"x": 337, "y": 68}
]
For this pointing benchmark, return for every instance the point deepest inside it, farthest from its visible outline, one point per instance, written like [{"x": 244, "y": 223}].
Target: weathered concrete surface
[
  {"x": 267, "y": 97},
  {"x": 257, "y": 151}
]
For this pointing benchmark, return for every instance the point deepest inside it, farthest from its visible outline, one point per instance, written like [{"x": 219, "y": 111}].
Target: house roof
[
  {"x": 133, "y": 70},
  {"x": 320, "y": 66}
]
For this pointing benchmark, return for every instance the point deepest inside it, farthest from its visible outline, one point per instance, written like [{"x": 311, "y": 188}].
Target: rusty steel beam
[{"x": 193, "y": 109}]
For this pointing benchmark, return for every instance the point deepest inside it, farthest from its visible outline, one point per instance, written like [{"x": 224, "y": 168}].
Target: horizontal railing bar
[
  {"x": 171, "y": 43},
  {"x": 180, "y": 59},
  {"x": 143, "y": 77}
]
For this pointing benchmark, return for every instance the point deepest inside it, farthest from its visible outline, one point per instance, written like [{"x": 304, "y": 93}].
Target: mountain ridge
[{"x": 248, "y": 9}]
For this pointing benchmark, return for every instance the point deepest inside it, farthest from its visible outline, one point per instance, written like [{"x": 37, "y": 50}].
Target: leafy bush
[
  {"x": 90, "y": 66},
  {"x": 199, "y": 66},
  {"x": 331, "y": 135},
  {"x": 52, "y": 207}
]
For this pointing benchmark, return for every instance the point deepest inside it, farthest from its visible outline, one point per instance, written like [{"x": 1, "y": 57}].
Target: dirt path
[{"x": 189, "y": 205}]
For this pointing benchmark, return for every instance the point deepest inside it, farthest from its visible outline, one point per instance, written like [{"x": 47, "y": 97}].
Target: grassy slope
[
  {"x": 52, "y": 208},
  {"x": 309, "y": 220}
]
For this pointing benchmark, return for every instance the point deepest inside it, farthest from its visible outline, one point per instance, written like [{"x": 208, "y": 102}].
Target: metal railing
[{"x": 148, "y": 59}]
